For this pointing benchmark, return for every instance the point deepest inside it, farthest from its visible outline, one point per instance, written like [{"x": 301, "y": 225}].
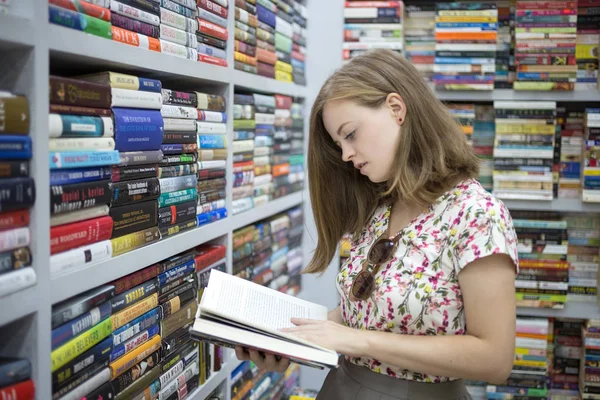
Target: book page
[{"x": 238, "y": 299}]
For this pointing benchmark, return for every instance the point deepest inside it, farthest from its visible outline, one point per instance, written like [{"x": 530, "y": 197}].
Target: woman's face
[{"x": 367, "y": 137}]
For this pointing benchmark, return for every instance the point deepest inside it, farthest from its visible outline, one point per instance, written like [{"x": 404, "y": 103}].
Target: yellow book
[
  {"x": 133, "y": 311},
  {"x": 127, "y": 361},
  {"x": 135, "y": 240},
  {"x": 534, "y": 129},
  {"x": 283, "y": 76},
  {"x": 466, "y": 19},
  {"x": 282, "y": 66},
  {"x": 80, "y": 344},
  {"x": 114, "y": 80}
]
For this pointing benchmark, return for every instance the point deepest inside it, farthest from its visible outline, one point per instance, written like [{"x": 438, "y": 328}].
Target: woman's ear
[{"x": 397, "y": 107}]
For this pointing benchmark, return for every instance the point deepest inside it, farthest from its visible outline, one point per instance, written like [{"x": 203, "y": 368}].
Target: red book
[
  {"x": 212, "y": 60},
  {"x": 207, "y": 255},
  {"x": 21, "y": 391},
  {"x": 283, "y": 102},
  {"x": 14, "y": 219},
  {"x": 210, "y": 29},
  {"x": 213, "y": 8},
  {"x": 70, "y": 236}
]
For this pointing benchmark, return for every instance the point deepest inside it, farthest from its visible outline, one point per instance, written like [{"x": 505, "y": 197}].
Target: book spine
[
  {"x": 177, "y": 111},
  {"x": 64, "y": 91},
  {"x": 66, "y": 198},
  {"x": 25, "y": 390},
  {"x": 129, "y": 360},
  {"x": 127, "y": 378},
  {"x": 178, "y": 170},
  {"x": 68, "y": 177},
  {"x": 177, "y": 228},
  {"x": 213, "y": 8},
  {"x": 140, "y": 158},
  {"x": 79, "y": 126},
  {"x": 83, "y": 7},
  {"x": 80, "y": 344},
  {"x": 208, "y": 28},
  {"x": 178, "y": 21},
  {"x": 172, "y": 97},
  {"x": 177, "y": 183},
  {"x": 135, "y": 39},
  {"x": 178, "y": 50},
  {"x": 14, "y": 239},
  {"x": 136, "y": 326},
  {"x": 138, "y": 129},
  {"x": 134, "y": 342},
  {"x": 133, "y": 311},
  {"x": 211, "y": 216},
  {"x": 79, "y": 21},
  {"x": 210, "y": 17},
  {"x": 173, "y": 198},
  {"x": 134, "y": 191},
  {"x": 12, "y": 372},
  {"x": 135, "y": 13},
  {"x": 132, "y": 241},
  {"x": 211, "y": 128},
  {"x": 15, "y": 147},
  {"x": 14, "y": 169},
  {"x": 134, "y": 217},
  {"x": 72, "y": 308},
  {"x": 178, "y": 36},
  {"x": 178, "y": 8},
  {"x": 150, "y": 6},
  {"x": 76, "y": 110},
  {"x": 71, "y": 329},
  {"x": 176, "y": 214},
  {"x": 15, "y": 259},
  {"x": 136, "y": 278},
  {"x": 81, "y": 144},
  {"x": 127, "y": 98},
  {"x": 70, "y": 236},
  {"x": 82, "y": 159},
  {"x": 134, "y": 295},
  {"x": 180, "y": 137},
  {"x": 16, "y": 194},
  {"x": 14, "y": 115}
]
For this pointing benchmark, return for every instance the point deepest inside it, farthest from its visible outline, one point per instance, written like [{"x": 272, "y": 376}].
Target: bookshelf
[{"x": 31, "y": 48}]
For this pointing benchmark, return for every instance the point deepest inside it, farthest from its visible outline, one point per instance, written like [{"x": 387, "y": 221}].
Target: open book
[{"x": 234, "y": 311}]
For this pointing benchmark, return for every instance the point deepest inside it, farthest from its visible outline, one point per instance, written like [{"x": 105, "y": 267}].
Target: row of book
[
  {"x": 518, "y": 44},
  {"x": 555, "y": 359},
  {"x": 269, "y": 252},
  {"x": 188, "y": 29},
  {"x": 131, "y": 162},
  {"x": 247, "y": 382},
  {"x": 534, "y": 150},
  {"x": 268, "y": 149},
  {"x": 131, "y": 337},
  {"x": 18, "y": 194},
  {"x": 270, "y": 39}
]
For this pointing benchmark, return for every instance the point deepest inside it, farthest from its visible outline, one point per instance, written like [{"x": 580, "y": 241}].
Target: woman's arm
[
  {"x": 485, "y": 353},
  {"x": 335, "y": 315}
]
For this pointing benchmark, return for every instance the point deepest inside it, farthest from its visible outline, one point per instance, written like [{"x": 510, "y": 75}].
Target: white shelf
[
  {"x": 18, "y": 305},
  {"x": 561, "y": 205},
  {"x": 15, "y": 31},
  {"x": 261, "y": 84},
  {"x": 583, "y": 93},
  {"x": 571, "y": 310},
  {"x": 75, "y": 282}
]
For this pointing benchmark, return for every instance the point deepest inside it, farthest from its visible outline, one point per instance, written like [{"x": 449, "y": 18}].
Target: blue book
[
  {"x": 73, "y": 328},
  {"x": 211, "y": 141},
  {"x": 138, "y": 129},
  {"x": 69, "y": 176},
  {"x": 266, "y": 16},
  {"x": 121, "y": 350},
  {"x": 14, "y": 147},
  {"x": 64, "y": 125},
  {"x": 139, "y": 324},
  {"x": 150, "y": 85},
  {"x": 175, "y": 273},
  {"x": 212, "y": 216},
  {"x": 82, "y": 159}
]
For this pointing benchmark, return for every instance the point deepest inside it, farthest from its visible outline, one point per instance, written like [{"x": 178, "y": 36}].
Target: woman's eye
[{"x": 350, "y": 135}]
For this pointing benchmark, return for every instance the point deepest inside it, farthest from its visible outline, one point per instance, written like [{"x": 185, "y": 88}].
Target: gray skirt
[{"x": 351, "y": 382}]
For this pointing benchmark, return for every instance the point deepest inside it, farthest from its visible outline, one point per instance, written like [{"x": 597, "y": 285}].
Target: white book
[
  {"x": 17, "y": 280},
  {"x": 234, "y": 311},
  {"x": 136, "y": 99}
]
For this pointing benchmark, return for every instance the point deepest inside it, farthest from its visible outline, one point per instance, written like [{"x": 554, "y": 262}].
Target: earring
[{"x": 400, "y": 120}]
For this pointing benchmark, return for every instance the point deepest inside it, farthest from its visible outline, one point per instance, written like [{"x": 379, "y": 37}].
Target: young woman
[{"x": 427, "y": 294}]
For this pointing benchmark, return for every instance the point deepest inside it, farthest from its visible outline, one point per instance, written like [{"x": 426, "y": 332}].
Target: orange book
[
  {"x": 466, "y": 35},
  {"x": 244, "y": 58},
  {"x": 265, "y": 56},
  {"x": 281, "y": 169}
]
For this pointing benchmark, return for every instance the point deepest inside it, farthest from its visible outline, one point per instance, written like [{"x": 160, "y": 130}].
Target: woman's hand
[
  {"x": 331, "y": 335},
  {"x": 267, "y": 362}
]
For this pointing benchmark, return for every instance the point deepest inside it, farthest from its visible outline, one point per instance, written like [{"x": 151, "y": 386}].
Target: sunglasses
[{"x": 381, "y": 252}]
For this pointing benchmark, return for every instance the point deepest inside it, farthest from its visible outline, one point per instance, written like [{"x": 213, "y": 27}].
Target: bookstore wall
[{"x": 169, "y": 138}]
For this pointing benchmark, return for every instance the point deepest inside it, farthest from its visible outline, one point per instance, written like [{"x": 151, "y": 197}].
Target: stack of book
[
  {"x": 282, "y": 146},
  {"x": 18, "y": 195},
  {"x": 264, "y": 118},
  {"x": 209, "y": 257},
  {"x": 178, "y": 30},
  {"x": 243, "y": 254},
  {"x": 583, "y": 254},
  {"x": 178, "y": 183},
  {"x": 483, "y": 143},
  {"x": 280, "y": 226},
  {"x": 82, "y": 344},
  {"x": 266, "y": 51},
  {"x": 243, "y": 153},
  {"x": 372, "y": 25},
  {"x": 296, "y": 177},
  {"x": 212, "y": 157},
  {"x": 545, "y": 38},
  {"x": 465, "y": 115},
  {"x": 524, "y": 147},
  {"x": 543, "y": 279},
  {"x": 90, "y": 17},
  {"x": 82, "y": 150},
  {"x": 294, "y": 257},
  {"x": 591, "y": 170},
  {"x": 299, "y": 43},
  {"x": 566, "y": 354},
  {"x": 571, "y": 145},
  {"x": 589, "y": 375},
  {"x": 528, "y": 377},
  {"x": 465, "y": 37},
  {"x": 505, "y": 65},
  {"x": 419, "y": 36},
  {"x": 247, "y": 46},
  {"x": 283, "y": 40},
  {"x": 16, "y": 381},
  {"x": 588, "y": 40},
  {"x": 248, "y": 382},
  {"x": 139, "y": 125},
  {"x": 212, "y": 34}
]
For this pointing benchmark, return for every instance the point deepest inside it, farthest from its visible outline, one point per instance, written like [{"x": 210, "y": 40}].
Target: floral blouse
[{"x": 417, "y": 292}]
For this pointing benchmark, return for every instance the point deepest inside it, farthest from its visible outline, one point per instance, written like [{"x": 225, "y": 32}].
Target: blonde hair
[{"x": 431, "y": 157}]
